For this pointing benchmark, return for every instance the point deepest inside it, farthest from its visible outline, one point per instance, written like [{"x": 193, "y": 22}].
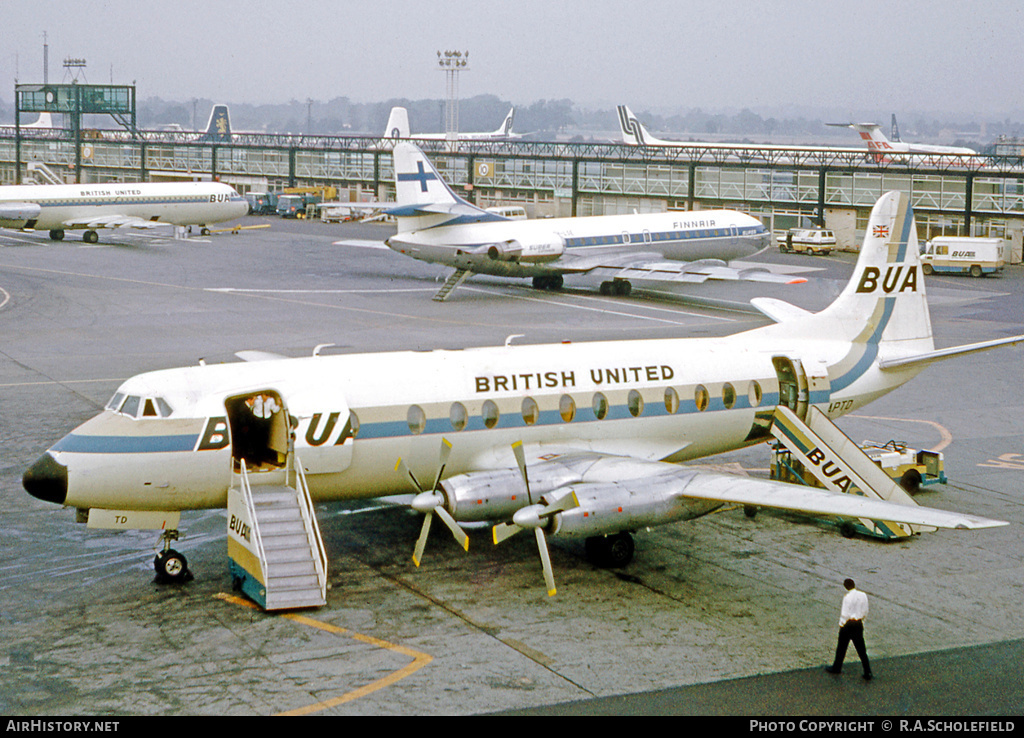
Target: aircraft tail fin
[
  {"x": 218, "y": 128},
  {"x": 883, "y": 309},
  {"x": 398, "y": 124},
  {"x": 421, "y": 192},
  {"x": 506, "y": 126},
  {"x": 633, "y": 131}
]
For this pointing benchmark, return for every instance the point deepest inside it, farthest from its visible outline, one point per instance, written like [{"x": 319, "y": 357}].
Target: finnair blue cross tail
[{"x": 435, "y": 224}]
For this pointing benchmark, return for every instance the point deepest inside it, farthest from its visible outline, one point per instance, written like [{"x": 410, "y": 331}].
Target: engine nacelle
[
  {"x": 496, "y": 495},
  {"x": 613, "y": 507},
  {"x": 547, "y": 249}
]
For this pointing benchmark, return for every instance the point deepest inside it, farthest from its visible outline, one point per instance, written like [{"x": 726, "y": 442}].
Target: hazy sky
[{"x": 859, "y": 55}]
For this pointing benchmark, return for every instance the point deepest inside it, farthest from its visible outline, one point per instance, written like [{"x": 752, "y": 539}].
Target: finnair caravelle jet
[
  {"x": 564, "y": 440},
  {"x": 57, "y": 208},
  {"x": 436, "y": 225},
  {"x": 398, "y": 128}
]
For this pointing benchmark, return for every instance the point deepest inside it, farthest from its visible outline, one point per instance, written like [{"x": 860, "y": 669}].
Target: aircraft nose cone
[{"x": 47, "y": 480}]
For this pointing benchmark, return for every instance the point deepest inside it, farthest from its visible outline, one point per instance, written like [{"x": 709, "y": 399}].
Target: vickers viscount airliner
[
  {"x": 436, "y": 225},
  {"x": 562, "y": 440}
]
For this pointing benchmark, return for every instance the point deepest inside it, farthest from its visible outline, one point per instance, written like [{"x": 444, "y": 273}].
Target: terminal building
[{"x": 953, "y": 195}]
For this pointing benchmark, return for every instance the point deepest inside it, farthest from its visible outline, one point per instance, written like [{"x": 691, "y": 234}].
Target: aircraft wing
[
  {"x": 645, "y": 480},
  {"x": 662, "y": 271},
  {"x": 113, "y": 221},
  {"x": 741, "y": 490}
]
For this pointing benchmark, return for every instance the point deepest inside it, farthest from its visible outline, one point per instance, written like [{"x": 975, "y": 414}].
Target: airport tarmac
[{"x": 722, "y": 615}]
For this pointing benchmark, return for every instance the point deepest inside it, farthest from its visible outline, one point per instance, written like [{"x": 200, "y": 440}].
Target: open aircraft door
[
  {"x": 260, "y": 430},
  {"x": 801, "y": 383},
  {"x": 325, "y": 432}
]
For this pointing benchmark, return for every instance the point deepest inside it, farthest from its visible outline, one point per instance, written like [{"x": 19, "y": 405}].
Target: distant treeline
[{"x": 341, "y": 116}]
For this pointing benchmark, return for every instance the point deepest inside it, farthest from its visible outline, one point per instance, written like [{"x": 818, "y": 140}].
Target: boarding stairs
[
  {"x": 458, "y": 277},
  {"x": 840, "y": 465},
  {"x": 274, "y": 544},
  {"x": 42, "y": 174}
]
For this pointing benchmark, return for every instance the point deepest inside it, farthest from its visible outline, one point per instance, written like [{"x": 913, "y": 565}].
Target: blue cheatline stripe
[
  {"x": 82, "y": 444},
  {"x": 77, "y": 443},
  {"x": 870, "y": 350}
]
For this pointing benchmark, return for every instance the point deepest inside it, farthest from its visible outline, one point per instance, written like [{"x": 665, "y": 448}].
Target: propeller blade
[
  {"x": 504, "y": 531},
  {"x": 446, "y": 450},
  {"x": 421, "y": 542},
  {"x": 517, "y": 449},
  {"x": 545, "y": 560},
  {"x": 401, "y": 465},
  {"x": 460, "y": 535}
]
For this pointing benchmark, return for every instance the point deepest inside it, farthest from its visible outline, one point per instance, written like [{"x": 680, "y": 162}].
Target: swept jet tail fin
[{"x": 421, "y": 192}]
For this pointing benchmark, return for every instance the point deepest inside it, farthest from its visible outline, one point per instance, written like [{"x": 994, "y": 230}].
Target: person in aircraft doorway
[{"x": 851, "y": 628}]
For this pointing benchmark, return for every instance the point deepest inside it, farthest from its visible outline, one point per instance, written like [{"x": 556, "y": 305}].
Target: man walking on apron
[{"x": 851, "y": 628}]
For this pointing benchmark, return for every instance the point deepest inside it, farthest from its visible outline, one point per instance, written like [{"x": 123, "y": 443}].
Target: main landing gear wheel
[
  {"x": 611, "y": 551},
  {"x": 548, "y": 282},
  {"x": 90, "y": 237},
  {"x": 617, "y": 287},
  {"x": 57, "y": 234}
]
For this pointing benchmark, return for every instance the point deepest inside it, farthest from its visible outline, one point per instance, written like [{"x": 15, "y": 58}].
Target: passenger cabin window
[
  {"x": 417, "y": 419},
  {"x": 531, "y": 413},
  {"x": 701, "y": 397},
  {"x": 458, "y": 416},
  {"x": 671, "y": 401},
  {"x": 635, "y": 403},
  {"x": 728, "y": 395},
  {"x": 600, "y": 406},
  {"x": 567, "y": 408},
  {"x": 754, "y": 394},
  {"x": 490, "y": 413}
]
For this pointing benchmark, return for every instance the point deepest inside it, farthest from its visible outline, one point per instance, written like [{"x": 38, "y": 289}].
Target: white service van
[
  {"x": 963, "y": 255},
  {"x": 811, "y": 240}
]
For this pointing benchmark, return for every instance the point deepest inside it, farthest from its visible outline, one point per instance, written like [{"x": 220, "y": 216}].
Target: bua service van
[{"x": 963, "y": 255}]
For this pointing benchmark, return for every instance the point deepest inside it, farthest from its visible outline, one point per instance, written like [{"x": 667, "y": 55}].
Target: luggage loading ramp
[{"x": 840, "y": 465}]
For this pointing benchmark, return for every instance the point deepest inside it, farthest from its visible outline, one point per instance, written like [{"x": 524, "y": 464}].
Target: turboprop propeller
[
  {"x": 537, "y": 516},
  {"x": 432, "y": 502}
]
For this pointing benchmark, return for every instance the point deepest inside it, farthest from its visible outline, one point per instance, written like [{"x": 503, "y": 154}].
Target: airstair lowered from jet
[
  {"x": 840, "y": 465},
  {"x": 274, "y": 544},
  {"x": 457, "y": 277}
]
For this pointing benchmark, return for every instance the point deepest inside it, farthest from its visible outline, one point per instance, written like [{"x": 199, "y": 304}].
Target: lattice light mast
[{"x": 452, "y": 63}]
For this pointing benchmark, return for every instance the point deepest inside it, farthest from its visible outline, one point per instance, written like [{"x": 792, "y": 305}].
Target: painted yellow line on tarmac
[{"x": 419, "y": 659}]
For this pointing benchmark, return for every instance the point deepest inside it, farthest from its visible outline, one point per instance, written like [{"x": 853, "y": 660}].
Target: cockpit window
[
  {"x": 135, "y": 407},
  {"x": 130, "y": 406}
]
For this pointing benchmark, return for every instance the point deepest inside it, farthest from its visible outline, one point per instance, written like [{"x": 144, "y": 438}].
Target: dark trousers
[{"x": 852, "y": 631}]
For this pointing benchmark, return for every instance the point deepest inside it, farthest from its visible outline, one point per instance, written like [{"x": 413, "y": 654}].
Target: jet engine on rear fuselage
[{"x": 548, "y": 249}]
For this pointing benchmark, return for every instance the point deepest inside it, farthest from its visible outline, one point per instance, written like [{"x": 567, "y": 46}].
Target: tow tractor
[{"x": 912, "y": 469}]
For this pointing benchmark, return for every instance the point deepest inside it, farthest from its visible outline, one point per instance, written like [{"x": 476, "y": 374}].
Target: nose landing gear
[{"x": 171, "y": 566}]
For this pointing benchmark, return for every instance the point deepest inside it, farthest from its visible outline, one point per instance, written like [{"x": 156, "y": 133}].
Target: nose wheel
[{"x": 171, "y": 566}]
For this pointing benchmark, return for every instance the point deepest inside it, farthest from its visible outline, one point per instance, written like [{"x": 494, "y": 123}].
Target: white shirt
[{"x": 855, "y": 607}]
